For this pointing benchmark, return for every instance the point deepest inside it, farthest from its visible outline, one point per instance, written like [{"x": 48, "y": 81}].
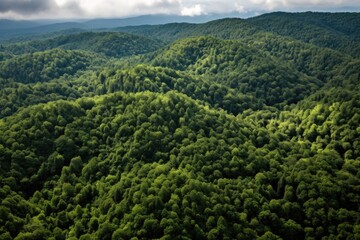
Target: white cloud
[
  {"x": 61, "y": 3},
  {"x": 115, "y": 8},
  {"x": 195, "y": 10},
  {"x": 240, "y": 8}
]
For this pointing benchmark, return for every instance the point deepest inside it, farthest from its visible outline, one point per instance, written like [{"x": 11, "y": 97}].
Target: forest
[{"x": 230, "y": 129}]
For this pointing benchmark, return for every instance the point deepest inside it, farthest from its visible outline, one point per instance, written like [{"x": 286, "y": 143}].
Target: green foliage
[
  {"x": 44, "y": 66},
  {"x": 229, "y": 28},
  {"x": 163, "y": 79},
  {"x": 338, "y": 31},
  {"x": 246, "y": 68},
  {"x": 256, "y": 137},
  {"x": 108, "y": 43}
]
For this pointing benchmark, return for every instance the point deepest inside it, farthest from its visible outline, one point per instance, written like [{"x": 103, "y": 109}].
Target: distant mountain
[
  {"x": 30, "y": 29},
  {"x": 141, "y": 20},
  {"x": 10, "y": 24},
  {"x": 12, "y": 29},
  {"x": 338, "y": 31},
  {"x": 154, "y": 20},
  {"x": 228, "y": 28}
]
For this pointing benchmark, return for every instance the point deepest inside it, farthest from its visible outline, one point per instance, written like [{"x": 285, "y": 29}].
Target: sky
[{"x": 78, "y": 9}]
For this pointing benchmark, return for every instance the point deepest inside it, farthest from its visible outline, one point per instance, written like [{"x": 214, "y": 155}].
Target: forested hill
[
  {"x": 342, "y": 23},
  {"x": 231, "y": 129},
  {"x": 230, "y": 28},
  {"x": 108, "y": 43},
  {"x": 339, "y": 31}
]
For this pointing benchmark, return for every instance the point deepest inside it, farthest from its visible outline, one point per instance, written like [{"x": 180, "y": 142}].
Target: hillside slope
[
  {"x": 180, "y": 158},
  {"x": 338, "y": 31},
  {"x": 108, "y": 43},
  {"x": 230, "y": 28},
  {"x": 232, "y": 130}
]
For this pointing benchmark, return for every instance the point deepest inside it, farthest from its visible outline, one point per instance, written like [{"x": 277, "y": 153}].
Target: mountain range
[
  {"x": 19, "y": 28},
  {"x": 228, "y": 129}
]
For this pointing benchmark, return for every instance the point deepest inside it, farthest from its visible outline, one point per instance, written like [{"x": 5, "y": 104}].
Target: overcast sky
[{"x": 76, "y": 9}]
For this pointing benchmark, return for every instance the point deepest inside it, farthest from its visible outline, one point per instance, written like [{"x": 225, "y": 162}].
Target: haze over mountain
[
  {"x": 57, "y": 15},
  {"x": 14, "y": 28},
  {"x": 83, "y": 9}
]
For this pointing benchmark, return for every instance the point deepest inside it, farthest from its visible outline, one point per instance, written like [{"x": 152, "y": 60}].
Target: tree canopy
[{"x": 232, "y": 129}]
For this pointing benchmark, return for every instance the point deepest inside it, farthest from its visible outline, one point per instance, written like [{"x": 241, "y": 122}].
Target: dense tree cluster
[
  {"x": 245, "y": 177},
  {"x": 249, "y": 69},
  {"x": 111, "y": 44},
  {"x": 232, "y": 133},
  {"x": 338, "y": 31},
  {"x": 43, "y": 66},
  {"x": 332, "y": 30}
]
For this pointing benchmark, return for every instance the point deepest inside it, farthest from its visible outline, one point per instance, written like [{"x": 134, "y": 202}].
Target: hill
[
  {"x": 149, "y": 20},
  {"x": 44, "y": 66},
  {"x": 22, "y": 29},
  {"x": 11, "y": 29},
  {"x": 231, "y": 129},
  {"x": 6, "y": 25},
  {"x": 108, "y": 43},
  {"x": 338, "y": 31},
  {"x": 229, "y": 28},
  {"x": 179, "y": 158}
]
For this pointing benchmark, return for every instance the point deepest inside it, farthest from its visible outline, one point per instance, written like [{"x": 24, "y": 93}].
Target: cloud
[
  {"x": 123, "y": 8},
  {"x": 156, "y": 3},
  {"x": 195, "y": 10},
  {"x": 32, "y": 9},
  {"x": 86, "y": 8},
  {"x": 25, "y": 6},
  {"x": 240, "y": 8},
  {"x": 39, "y": 9}
]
